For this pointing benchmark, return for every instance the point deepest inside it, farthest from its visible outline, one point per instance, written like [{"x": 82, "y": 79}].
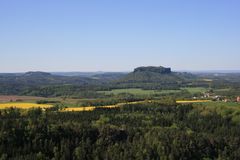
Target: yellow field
[
  {"x": 79, "y": 109},
  {"x": 111, "y": 106},
  {"x": 192, "y": 101},
  {"x": 91, "y": 108},
  {"x": 207, "y": 80},
  {"x": 24, "y": 105}
]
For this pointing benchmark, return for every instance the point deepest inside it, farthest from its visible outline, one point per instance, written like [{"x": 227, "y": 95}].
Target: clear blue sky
[{"x": 118, "y": 35}]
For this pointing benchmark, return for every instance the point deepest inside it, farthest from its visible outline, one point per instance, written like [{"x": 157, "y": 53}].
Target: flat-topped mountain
[
  {"x": 160, "y": 69},
  {"x": 161, "y": 76}
]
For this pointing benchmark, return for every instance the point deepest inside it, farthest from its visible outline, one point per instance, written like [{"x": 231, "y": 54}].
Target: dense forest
[{"x": 157, "y": 131}]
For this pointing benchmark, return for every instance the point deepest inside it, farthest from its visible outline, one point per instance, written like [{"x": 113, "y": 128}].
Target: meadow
[
  {"x": 194, "y": 90},
  {"x": 138, "y": 91}
]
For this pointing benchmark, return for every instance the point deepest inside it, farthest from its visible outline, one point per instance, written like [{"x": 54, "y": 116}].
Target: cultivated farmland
[{"x": 24, "y": 105}]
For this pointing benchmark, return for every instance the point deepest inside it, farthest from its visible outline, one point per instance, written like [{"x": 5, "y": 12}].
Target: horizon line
[{"x": 102, "y": 71}]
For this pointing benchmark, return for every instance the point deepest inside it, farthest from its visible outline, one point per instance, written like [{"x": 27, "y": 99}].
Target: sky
[{"x": 119, "y": 35}]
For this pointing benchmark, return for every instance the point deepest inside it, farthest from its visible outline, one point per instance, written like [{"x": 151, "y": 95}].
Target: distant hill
[
  {"x": 110, "y": 76},
  {"x": 44, "y": 83},
  {"x": 18, "y": 83},
  {"x": 155, "y": 74},
  {"x": 38, "y": 73},
  {"x": 160, "y": 69},
  {"x": 154, "y": 78},
  {"x": 80, "y": 74},
  {"x": 94, "y": 75}
]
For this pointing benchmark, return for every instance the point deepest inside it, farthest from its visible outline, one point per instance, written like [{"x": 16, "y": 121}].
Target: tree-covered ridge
[
  {"x": 22, "y": 83},
  {"x": 38, "y": 73}
]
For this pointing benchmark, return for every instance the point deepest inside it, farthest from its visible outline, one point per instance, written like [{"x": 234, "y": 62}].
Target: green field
[
  {"x": 222, "y": 90},
  {"x": 138, "y": 91},
  {"x": 193, "y": 90}
]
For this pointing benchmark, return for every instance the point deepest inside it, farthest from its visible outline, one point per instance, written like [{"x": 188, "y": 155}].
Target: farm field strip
[
  {"x": 79, "y": 109},
  {"x": 193, "y": 90},
  {"x": 192, "y": 101},
  {"x": 24, "y": 105},
  {"x": 138, "y": 91},
  {"x": 9, "y": 98},
  {"x": 91, "y": 108}
]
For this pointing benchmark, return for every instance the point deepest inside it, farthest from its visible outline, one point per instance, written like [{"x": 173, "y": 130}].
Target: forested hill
[
  {"x": 43, "y": 78},
  {"x": 155, "y": 77},
  {"x": 19, "y": 83},
  {"x": 48, "y": 84},
  {"x": 160, "y": 69},
  {"x": 38, "y": 73}
]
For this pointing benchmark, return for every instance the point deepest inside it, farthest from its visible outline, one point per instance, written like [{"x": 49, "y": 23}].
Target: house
[
  {"x": 217, "y": 98},
  {"x": 238, "y": 99}
]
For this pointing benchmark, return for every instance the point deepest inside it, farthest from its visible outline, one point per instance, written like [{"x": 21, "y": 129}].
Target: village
[{"x": 211, "y": 95}]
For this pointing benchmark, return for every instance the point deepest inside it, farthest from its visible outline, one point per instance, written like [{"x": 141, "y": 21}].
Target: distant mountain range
[
  {"x": 150, "y": 77},
  {"x": 90, "y": 74},
  {"x": 209, "y": 71}
]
